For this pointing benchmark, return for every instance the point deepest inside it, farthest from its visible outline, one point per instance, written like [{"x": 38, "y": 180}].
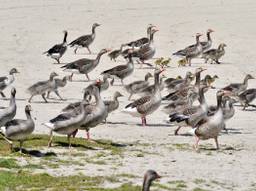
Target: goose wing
[{"x": 80, "y": 40}]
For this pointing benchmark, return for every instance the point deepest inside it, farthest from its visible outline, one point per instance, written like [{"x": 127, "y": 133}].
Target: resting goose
[
  {"x": 148, "y": 104},
  {"x": 66, "y": 123},
  {"x": 237, "y": 88},
  {"x": 137, "y": 86},
  {"x": 207, "y": 44},
  {"x": 246, "y": 97},
  {"x": 5, "y": 81},
  {"x": 144, "y": 40},
  {"x": 121, "y": 71},
  {"x": 211, "y": 126},
  {"x": 19, "y": 129},
  {"x": 58, "y": 50},
  {"x": 84, "y": 65},
  {"x": 149, "y": 177},
  {"x": 113, "y": 105},
  {"x": 59, "y": 83},
  {"x": 214, "y": 54},
  {"x": 42, "y": 87},
  {"x": 115, "y": 53},
  {"x": 85, "y": 40}
]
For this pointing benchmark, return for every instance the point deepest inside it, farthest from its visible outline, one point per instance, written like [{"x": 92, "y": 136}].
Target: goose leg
[
  {"x": 87, "y": 76},
  {"x": 8, "y": 141},
  {"x": 217, "y": 143},
  {"x": 87, "y": 135},
  {"x": 75, "y": 50},
  {"x": 48, "y": 94},
  {"x": 2, "y": 94},
  {"x": 50, "y": 140},
  {"x": 88, "y": 49},
  {"x": 71, "y": 77},
  {"x": 69, "y": 142},
  {"x": 130, "y": 96},
  {"x": 43, "y": 96},
  {"x": 74, "y": 133},
  {"x": 196, "y": 144},
  {"x": 176, "y": 132},
  {"x": 21, "y": 142},
  {"x": 57, "y": 93},
  {"x": 145, "y": 121},
  {"x": 122, "y": 82},
  {"x": 30, "y": 98}
]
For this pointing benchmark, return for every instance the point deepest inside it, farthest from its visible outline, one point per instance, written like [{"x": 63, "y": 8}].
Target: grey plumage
[
  {"x": 5, "y": 81},
  {"x": 214, "y": 54}
]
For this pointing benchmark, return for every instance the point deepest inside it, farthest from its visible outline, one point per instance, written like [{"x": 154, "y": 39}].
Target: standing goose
[
  {"x": 113, "y": 105},
  {"x": 148, "y": 104},
  {"x": 208, "y": 80},
  {"x": 237, "y": 88},
  {"x": 214, "y": 54},
  {"x": 121, "y": 71},
  {"x": 211, "y": 126},
  {"x": 85, "y": 40},
  {"x": 58, "y": 50},
  {"x": 246, "y": 97},
  {"x": 149, "y": 177},
  {"x": 137, "y": 86},
  {"x": 115, "y": 53},
  {"x": 144, "y": 40},
  {"x": 5, "y": 81},
  {"x": 84, "y": 65},
  {"x": 42, "y": 87},
  {"x": 104, "y": 85},
  {"x": 207, "y": 44},
  {"x": 19, "y": 129},
  {"x": 66, "y": 123},
  {"x": 59, "y": 83}
]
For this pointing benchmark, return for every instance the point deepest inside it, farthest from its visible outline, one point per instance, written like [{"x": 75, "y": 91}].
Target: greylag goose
[
  {"x": 191, "y": 51},
  {"x": 7, "y": 114},
  {"x": 211, "y": 126},
  {"x": 207, "y": 44},
  {"x": 137, "y": 86},
  {"x": 59, "y": 83},
  {"x": 121, "y": 71},
  {"x": 5, "y": 81},
  {"x": 144, "y": 40},
  {"x": 237, "y": 88},
  {"x": 246, "y": 97},
  {"x": 84, "y": 65},
  {"x": 214, "y": 54},
  {"x": 148, "y": 104},
  {"x": 42, "y": 87},
  {"x": 19, "y": 129},
  {"x": 104, "y": 85},
  {"x": 115, "y": 53},
  {"x": 149, "y": 177},
  {"x": 85, "y": 40},
  {"x": 169, "y": 80},
  {"x": 208, "y": 80},
  {"x": 113, "y": 105},
  {"x": 58, "y": 50},
  {"x": 66, "y": 123}
]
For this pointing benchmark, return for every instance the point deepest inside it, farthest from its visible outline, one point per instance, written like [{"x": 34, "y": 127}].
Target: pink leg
[
  {"x": 145, "y": 121},
  {"x": 88, "y": 135},
  {"x": 197, "y": 141}
]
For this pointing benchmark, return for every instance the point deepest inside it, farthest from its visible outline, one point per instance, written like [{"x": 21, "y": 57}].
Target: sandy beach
[{"x": 28, "y": 28}]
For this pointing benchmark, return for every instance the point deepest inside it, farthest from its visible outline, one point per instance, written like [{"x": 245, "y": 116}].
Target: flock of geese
[{"x": 206, "y": 121}]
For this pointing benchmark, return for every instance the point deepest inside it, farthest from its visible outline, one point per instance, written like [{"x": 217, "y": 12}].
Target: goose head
[
  {"x": 104, "y": 51},
  {"x": 13, "y": 71},
  {"x": 222, "y": 46},
  {"x": 209, "y": 31},
  {"x": 95, "y": 25},
  {"x": 147, "y": 76},
  {"x": 149, "y": 177},
  {"x": 118, "y": 94},
  {"x": 249, "y": 77},
  {"x": 53, "y": 74},
  {"x": 28, "y": 108},
  {"x": 13, "y": 92},
  {"x": 199, "y": 70}
]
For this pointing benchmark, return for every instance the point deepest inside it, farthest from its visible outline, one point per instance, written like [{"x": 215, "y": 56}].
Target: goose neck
[{"x": 146, "y": 184}]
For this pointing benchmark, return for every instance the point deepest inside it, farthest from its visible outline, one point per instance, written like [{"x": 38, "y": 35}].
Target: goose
[
  {"x": 5, "y": 81},
  {"x": 144, "y": 40},
  {"x": 58, "y": 50},
  {"x": 214, "y": 54},
  {"x": 137, "y": 86},
  {"x": 104, "y": 85},
  {"x": 7, "y": 114},
  {"x": 207, "y": 44},
  {"x": 85, "y": 40},
  {"x": 66, "y": 123},
  {"x": 115, "y": 53},
  {"x": 19, "y": 129},
  {"x": 42, "y": 87},
  {"x": 211, "y": 126},
  {"x": 236, "y": 88},
  {"x": 169, "y": 80},
  {"x": 84, "y": 65},
  {"x": 149, "y": 177},
  {"x": 121, "y": 71},
  {"x": 148, "y": 104},
  {"x": 59, "y": 83},
  {"x": 208, "y": 80},
  {"x": 246, "y": 97},
  {"x": 113, "y": 105}
]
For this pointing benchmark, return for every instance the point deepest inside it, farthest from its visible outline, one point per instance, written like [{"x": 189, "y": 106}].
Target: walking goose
[
  {"x": 19, "y": 129},
  {"x": 113, "y": 105},
  {"x": 237, "y": 88},
  {"x": 115, "y": 53},
  {"x": 7, "y": 114},
  {"x": 58, "y": 50},
  {"x": 84, "y": 65},
  {"x": 149, "y": 177},
  {"x": 42, "y": 87},
  {"x": 144, "y": 40},
  {"x": 66, "y": 123},
  {"x": 246, "y": 97},
  {"x": 59, "y": 83},
  {"x": 148, "y": 104},
  {"x": 211, "y": 126},
  {"x": 207, "y": 44},
  {"x": 214, "y": 54},
  {"x": 121, "y": 71},
  {"x": 5, "y": 81},
  {"x": 85, "y": 40},
  {"x": 137, "y": 86}
]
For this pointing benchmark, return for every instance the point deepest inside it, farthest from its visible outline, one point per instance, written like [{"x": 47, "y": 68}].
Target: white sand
[{"x": 28, "y": 28}]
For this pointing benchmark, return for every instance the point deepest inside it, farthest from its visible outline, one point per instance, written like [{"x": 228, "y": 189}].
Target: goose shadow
[
  {"x": 118, "y": 145},
  {"x": 35, "y": 153},
  {"x": 52, "y": 102},
  {"x": 116, "y": 123},
  {"x": 155, "y": 125},
  {"x": 74, "y": 145}
]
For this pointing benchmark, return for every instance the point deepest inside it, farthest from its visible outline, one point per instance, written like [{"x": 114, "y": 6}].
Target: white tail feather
[{"x": 49, "y": 125}]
